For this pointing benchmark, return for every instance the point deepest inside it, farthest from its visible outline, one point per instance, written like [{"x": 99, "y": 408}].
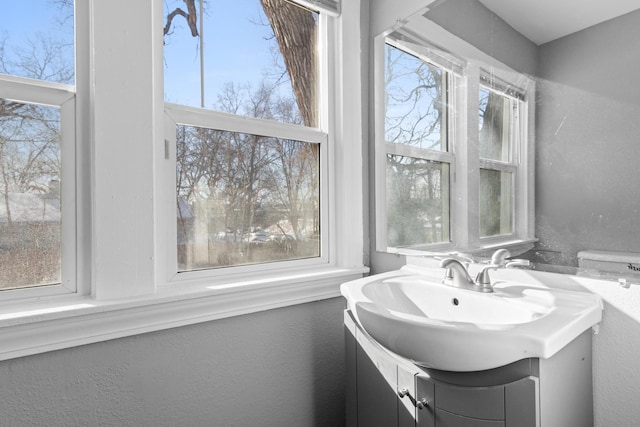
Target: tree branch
[{"x": 191, "y": 18}]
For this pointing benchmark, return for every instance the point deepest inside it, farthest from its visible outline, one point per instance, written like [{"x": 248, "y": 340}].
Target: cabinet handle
[
  {"x": 420, "y": 404},
  {"x": 403, "y": 392}
]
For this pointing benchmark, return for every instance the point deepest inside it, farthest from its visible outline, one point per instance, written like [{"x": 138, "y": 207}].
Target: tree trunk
[{"x": 295, "y": 30}]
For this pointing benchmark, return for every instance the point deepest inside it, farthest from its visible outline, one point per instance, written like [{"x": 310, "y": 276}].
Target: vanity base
[{"x": 386, "y": 390}]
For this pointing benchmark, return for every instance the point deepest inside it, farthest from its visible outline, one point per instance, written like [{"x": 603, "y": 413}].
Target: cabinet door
[
  {"x": 447, "y": 419},
  {"x": 425, "y": 391},
  {"x": 406, "y": 406},
  {"x": 521, "y": 403},
  {"x": 485, "y": 403},
  {"x": 351, "y": 398},
  {"x": 376, "y": 383}
]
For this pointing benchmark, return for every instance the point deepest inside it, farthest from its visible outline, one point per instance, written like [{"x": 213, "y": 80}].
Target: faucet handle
[
  {"x": 482, "y": 279},
  {"x": 517, "y": 262},
  {"x": 500, "y": 257}
]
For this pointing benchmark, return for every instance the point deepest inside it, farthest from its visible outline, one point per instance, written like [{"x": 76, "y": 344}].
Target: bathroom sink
[{"x": 411, "y": 313}]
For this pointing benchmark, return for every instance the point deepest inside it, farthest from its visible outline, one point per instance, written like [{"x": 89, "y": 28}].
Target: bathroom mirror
[{"x": 587, "y": 108}]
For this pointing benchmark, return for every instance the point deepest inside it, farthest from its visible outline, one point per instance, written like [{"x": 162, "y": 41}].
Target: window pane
[
  {"x": 37, "y": 40},
  {"x": 415, "y": 104},
  {"x": 258, "y": 58},
  {"x": 417, "y": 201},
  {"x": 30, "y": 214},
  {"x": 496, "y": 211},
  {"x": 245, "y": 199},
  {"x": 495, "y": 125}
]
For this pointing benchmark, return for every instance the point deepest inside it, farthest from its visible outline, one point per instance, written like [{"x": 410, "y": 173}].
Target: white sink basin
[{"x": 411, "y": 313}]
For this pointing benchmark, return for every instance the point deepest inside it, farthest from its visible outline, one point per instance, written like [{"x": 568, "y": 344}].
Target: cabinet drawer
[
  {"x": 446, "y": 419},
  {"x": 476, "y": 402}
]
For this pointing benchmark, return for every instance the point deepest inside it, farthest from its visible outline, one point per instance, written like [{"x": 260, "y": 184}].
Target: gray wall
[
  {"x": 474, "y": 23},
  {"x": 277, "y": 368},
  {"x": 588, "y": 136}
]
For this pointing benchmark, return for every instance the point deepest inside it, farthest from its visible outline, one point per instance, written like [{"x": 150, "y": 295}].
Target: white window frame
[
  {"x": 383, "y": 147},
  {"x": 182, "y": 115},
  {"x": 466, "y": 64},
  {"x": 512, "y": 164},
  {"x": 176, "y": 114},
  {"x": 73, "y": 193},
  {"x": 125, "y": 194},
  {"x": 48, "y": 94}
]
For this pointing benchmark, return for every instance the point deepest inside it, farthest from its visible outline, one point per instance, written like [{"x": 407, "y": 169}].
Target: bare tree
[{"x": 250, "y": 180}]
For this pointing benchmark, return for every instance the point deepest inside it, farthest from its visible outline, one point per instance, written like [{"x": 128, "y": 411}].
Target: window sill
[
  {"x": 58, "y": 323},
  {"x": 489, "y": 245}
]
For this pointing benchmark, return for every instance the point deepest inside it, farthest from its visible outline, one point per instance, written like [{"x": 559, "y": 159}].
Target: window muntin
[
  {"x": 245, "y": 199},
  {"x": 37, "y": 134},
  {"x": 258, "y": 186}
]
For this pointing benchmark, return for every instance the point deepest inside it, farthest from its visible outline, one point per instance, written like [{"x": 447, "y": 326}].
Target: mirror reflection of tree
[
  {"x": 495, "y": 143},
  {"x": 415, "y": 116}
]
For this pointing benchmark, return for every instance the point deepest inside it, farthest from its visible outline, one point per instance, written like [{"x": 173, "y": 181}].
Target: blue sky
[
  {"x": 22, "y": 21},
  {"x": 237, "y": 49},
  {"x": 236, "y": 39}
]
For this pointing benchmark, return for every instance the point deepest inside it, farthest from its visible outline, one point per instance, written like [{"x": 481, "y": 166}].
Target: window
[
  {"x": 498, "y": 136},
  {"x": 246, "y": 101},
  {"x": 37, "y": 147},
  {"x": 417, "y": 149},
  {"x": 123, "y": 193},
  {"x": 245, "y": 198},
  {"x": 451, "y": 166}
]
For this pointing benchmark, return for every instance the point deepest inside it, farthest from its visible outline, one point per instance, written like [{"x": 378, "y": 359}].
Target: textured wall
[
  {"x": 616, "y": 366},
  {"x": 473, "y": 22},
  {"x": 277, "y": 368},
  {"x": 587, "y": 167}
]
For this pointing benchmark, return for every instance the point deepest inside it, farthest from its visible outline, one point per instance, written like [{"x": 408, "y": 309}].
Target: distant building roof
[{"x": 29, "y": 207}]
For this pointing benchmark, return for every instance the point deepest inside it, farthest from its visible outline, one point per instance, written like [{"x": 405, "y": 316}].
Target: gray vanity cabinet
[
  {"x": 384, "y": 390},
  {"x": 374, "y": 379},
  {"x": 512, "y": 405}
]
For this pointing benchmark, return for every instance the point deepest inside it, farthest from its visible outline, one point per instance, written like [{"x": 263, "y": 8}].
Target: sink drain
[{"x": 455, "y": 301}]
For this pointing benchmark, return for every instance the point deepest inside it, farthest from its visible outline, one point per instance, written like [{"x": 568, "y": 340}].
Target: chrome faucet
[
  {"x": 458, "y": 276},
  {"x": 482, "y": 279}
]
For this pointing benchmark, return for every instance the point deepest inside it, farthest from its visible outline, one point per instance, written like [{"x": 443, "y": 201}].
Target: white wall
[{"x": 277, "y": 368}]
